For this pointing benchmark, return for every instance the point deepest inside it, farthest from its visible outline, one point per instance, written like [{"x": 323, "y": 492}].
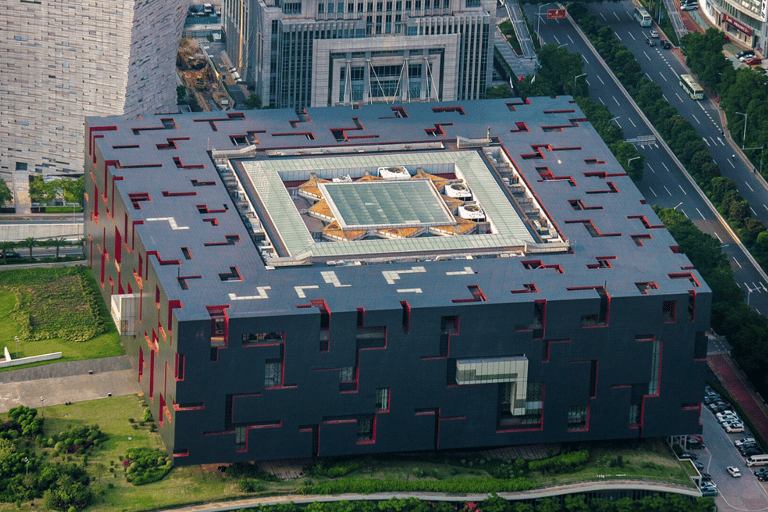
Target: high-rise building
[
  {"x": 326, "y": 52},
  {"x": 390, "y": 278},
  {"x": 63, "y": 60}
]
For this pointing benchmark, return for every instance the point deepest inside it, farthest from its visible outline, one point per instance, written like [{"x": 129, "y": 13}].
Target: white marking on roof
[
  {"x": 394, "y": 275},
  {"x": 171, "y": 221},
  {"x": 330, "y": 278},
  {"x": 466, "y": 272},
  {"x": 409, "y": 290},
  {"x": 300, "y": 290},
  {"x": 262, "y": 294}
]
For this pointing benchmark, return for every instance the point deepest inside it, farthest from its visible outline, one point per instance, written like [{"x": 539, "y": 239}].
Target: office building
[
  {"x": 63, "y": 61},
  {"x": 407, "y": 277},
  {"x": 324, "y": 53}
]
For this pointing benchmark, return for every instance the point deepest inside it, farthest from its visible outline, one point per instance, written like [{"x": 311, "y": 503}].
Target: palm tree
[
  {"x": 57, "y": 243},
  {"x": 5, "y": 247},
  {"x": 29, "y": 242}
]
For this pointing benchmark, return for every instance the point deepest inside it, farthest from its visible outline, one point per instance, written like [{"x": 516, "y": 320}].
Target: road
[
  {"x": 664, "y": 183},
  {"x": 736, "y": 494}
]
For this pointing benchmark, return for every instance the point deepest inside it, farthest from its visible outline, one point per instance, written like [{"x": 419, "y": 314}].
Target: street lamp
[
  {"x": 42, "y": 404},
  {"x": 538, "y": 20},
  {"x": 633, "y": 158},
  {"x": 614, "y": 119},
  {"x": 744, "y": 137},
  {"x": 26, "y": 463},
  {"x": 574, "y": 82},
  {"x": 17, "y": 346}
]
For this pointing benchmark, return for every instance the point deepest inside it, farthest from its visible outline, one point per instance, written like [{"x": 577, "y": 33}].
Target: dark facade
[{"x": 245, "y": 358}]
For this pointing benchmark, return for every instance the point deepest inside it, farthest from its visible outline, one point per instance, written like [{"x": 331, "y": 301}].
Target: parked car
[
  {"x": 709, "y": 492},
  {"x": 695, "y": 444},
  {"x": 761, "y": 474},
  {"x": 667, "y": 45},
  {"x": 650, "y": 42},
  {"x": 689, "y": 455},
  {"x": 745, "y": 55},
  {"x": 725, "y": 413},
  {"x": 751, "y": 451},
  {"x": 654, "y": 33},
  {"x": 698, "y": 465},
  {"x": 12, "y": 255},
  {"x": 733, "y": 471},
  {"x": 706, "y": 477},
  {"x": 744, "y": 440},
  {"x": 754, "y": 61},
  {"x": 735, "y": 428},
  {"x": 690, "y": 7}
]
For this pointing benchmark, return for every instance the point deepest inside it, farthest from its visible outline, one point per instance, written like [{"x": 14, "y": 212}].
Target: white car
[
  {"x": 726, "y": 412},
  {"x": 733, "y": 471},
  {"x": 743, "y": 440},
  {"x": 735, "y": 428},
  {"x": 729, "y": 419},
  {"x": 654, "y": 33}
]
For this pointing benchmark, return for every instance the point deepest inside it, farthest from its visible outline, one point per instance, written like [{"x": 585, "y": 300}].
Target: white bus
[
  {"x": 757, "y": 460},
  {"x": 692, "y": 87},
  {"x": 642, "y": 17}
]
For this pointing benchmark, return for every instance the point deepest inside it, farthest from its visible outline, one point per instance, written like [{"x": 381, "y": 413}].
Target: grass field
[{"x": 52, "y": 304}]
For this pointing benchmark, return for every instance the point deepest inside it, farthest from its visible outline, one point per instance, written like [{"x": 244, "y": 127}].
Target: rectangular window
[
  {"x": 272, "y": 374},
  {"x": 653, "y": 384},
  {"x": 634, "y": 414},
  {"x": 382, "y": 399},
  {"x": 240, "y": 436},
  {"x": 669, "y": 312},
  {"x": 347, "y": 374},
  {"x": 577, "y": 417},
  {"x": 364, "y": 429},
  {"x": 179, "y": 367},
  {"x": 263, "y": 338}
]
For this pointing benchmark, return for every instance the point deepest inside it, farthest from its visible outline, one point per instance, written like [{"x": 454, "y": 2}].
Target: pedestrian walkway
[
  {"x": 735, "y": 383},
  {"x": 70, "y": 381}
]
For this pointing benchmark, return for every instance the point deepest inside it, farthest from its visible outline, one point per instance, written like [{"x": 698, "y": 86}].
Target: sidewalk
[{"x": 736, "y": 384}]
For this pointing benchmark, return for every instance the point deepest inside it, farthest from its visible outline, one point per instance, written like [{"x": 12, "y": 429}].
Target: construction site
[{"x": 199, "y": 74}]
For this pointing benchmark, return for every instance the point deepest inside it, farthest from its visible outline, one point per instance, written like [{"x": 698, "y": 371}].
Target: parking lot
[{"x": 740, "y": 494}]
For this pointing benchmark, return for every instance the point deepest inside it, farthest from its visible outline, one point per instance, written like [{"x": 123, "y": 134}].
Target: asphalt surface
[{"x": 665, "y": 183}]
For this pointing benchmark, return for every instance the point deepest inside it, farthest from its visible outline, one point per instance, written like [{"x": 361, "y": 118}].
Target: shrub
[{"x": 145, "y": 465}]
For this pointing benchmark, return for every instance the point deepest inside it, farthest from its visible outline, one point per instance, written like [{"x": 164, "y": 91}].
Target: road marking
[
  {"x": 601, "y": 100},
  {"x": 665, "y": 166},
  {"x": 585, "y": 60},
  {"x": 721, "y": 141},
  {"x": 713, "y": 141},
  {"x": 736, "y": 261},
  {"x": 729, "y": 161},
  {"x": 678, "y": 97},
  {"x": 586, "y": 81},
  {"x": 662, "y": 76},
  {"x": 668, "y": 192},
  {"x": 601, "y": 80},
  {"x": 556, "y": 39},
  {"x": 652, "y": 192},
  {"x": 705, "y": 141},
  {"x": 681, "y": 188},
  {"x": 617, "y": 16},
  {"x": 630, "y": 34},
  {"x": 603, "y": 15},
  {"x": 702, "y": 216},
  {"x": 750, "y": 188},
  {"x": 665, "y": 98},
  {"x": 686, "y": 215},
  {"x": 696, "y": 118},
  {"x": 646, "y": 54},
  {"x": 716, "y": 235},
  {"x": 633, "y": 123},
  {"x": 753, "y": 211},
  {"x": 654, "y": 172},
  {"x": 617, "y": 101},
  {"x": 766, "y": 207},
  {"x": 569, "y": 38},
  {"x": 617, "y": 34}
]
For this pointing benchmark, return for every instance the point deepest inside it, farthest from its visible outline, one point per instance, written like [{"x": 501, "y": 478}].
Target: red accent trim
[
  {"x": 178, "y": 407},
  {"x": 184, "y": 453}
]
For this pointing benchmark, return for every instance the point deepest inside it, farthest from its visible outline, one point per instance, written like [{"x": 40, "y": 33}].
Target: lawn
[{"x": 55, "y": 305}]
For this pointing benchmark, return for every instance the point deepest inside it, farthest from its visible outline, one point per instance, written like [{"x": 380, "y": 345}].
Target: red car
[{"x": 754, "y": 61}]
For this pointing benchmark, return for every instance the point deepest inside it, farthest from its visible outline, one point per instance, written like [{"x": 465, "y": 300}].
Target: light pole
[
  {"x": 744, "y": 137},
  {"x": 633, "y": 158},
  {"x": 17, "y": 346},
  {"x": 614, "y": 119},
  {"x": 42, "y": 404},
  {"x": 761, "y": 155},
  {"x": 26, "y": 464},
  {"x": 574, "y": 82},
  {"x": 538, "y": 20}
]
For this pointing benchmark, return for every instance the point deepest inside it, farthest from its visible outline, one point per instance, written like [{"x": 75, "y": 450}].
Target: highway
[{"x": 665, "y": 183}]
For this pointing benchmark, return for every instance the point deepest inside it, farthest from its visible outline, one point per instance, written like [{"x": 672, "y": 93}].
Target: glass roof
[{"x": 386, "y": 204}]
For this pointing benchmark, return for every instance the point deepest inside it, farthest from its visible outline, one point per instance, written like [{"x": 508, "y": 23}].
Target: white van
[{"x": 757, "y": 460}]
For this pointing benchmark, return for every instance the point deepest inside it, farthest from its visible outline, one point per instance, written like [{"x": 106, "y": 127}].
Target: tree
[
  {"x": 253, "y": 102},
  {"x": 5, "y": 193},
  {"x": 74, "y": 190},
  {"x": 5, "y": 247},
  {"x": 181, "y": 93},
  {"x": 500, "y": 91},
  {"x": 30, "y": 243},
  {"x": 57, "y": 243},
  {"x": 42, "y": 192}
]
